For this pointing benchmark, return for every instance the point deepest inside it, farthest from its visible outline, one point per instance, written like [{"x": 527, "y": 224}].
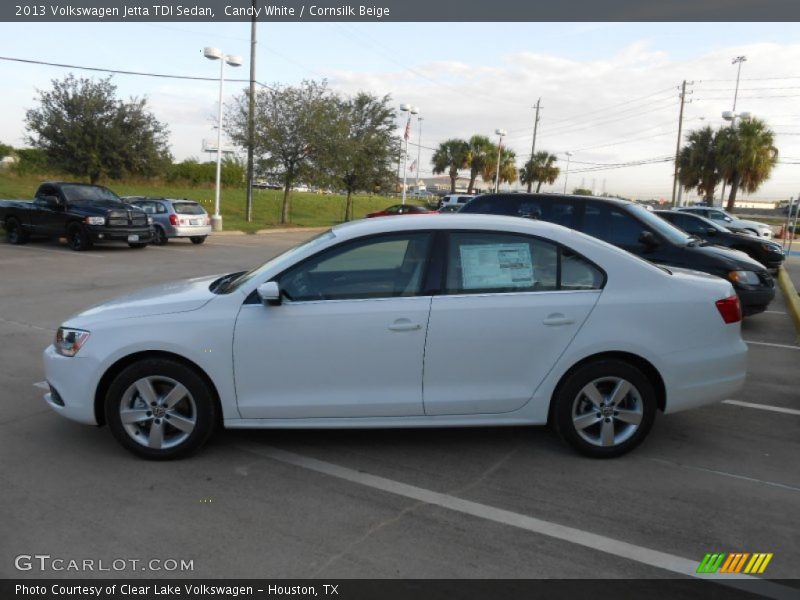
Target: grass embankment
[{"x": 307, "y": 209}]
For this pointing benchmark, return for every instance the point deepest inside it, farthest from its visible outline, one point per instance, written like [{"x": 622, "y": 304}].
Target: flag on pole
[
  {"x": 413, "y": 166},
  {"x": 407, "y": 134}
]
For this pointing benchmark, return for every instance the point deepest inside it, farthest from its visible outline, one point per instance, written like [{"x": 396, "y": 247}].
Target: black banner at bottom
[{"x": 396, "y": 589}]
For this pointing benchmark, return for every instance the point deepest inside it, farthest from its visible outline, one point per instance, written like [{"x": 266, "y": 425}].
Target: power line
[{"x": 121, "y": 72}]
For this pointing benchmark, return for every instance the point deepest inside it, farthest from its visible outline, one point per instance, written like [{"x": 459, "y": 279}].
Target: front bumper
[
  {"x": 755, "y": 301},
  {"x": 73, "y": 379},
  {"x": 100, "y": 233}
]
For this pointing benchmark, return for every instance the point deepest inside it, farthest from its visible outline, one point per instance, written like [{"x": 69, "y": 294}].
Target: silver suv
[{"x": 174, "y": 218}]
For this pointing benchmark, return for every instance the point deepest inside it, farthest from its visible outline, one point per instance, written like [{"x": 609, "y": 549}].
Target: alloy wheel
[
  {"x": 607, "y": 411},
  {"x": 158, "y": 412}
]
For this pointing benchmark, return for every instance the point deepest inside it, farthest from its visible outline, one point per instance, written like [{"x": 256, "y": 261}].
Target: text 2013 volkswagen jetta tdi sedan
[{"x": 442, "y": 320}]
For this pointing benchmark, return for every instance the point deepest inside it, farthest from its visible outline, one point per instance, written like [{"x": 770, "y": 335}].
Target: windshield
[
  {"x": 76, "y": 192},
  {"x": 188, "y": 208},
  {"x": 659, "y": 225},
  {"x": 314, "y": 242}
]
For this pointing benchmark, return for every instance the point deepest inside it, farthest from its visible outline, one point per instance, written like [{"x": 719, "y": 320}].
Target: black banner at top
[{"x": 398, "y": 10}]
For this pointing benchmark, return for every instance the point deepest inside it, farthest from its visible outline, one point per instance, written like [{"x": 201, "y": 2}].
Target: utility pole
[
  {"x": 251, "y": 109},
  {"x": 535, "y": 127},
  {"x": 678, "y": 143}
]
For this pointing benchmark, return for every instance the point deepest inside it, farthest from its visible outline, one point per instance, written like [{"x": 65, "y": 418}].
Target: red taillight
[
  {"x": 730, "y": 309},
  {"x": 173, "y": 219}
]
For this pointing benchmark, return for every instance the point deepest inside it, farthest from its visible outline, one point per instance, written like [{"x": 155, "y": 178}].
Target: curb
[
  {"x": 291, "y": 230},
  {"x": 792, "y": 299}
]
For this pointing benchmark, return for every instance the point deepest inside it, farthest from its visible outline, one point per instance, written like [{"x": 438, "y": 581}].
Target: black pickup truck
[{"x": 82, "y": 213}]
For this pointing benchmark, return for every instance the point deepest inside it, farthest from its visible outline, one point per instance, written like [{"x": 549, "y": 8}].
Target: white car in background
[
  {"x": 729, "y": 221},
  {"x": 437, "y": 321}
]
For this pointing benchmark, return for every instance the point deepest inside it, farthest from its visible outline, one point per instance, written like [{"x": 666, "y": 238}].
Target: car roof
[{"x": 545, "y": 197}]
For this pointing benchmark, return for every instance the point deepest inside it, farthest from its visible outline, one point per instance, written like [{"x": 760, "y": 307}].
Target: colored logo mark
[{"x": 736, "y": 562}]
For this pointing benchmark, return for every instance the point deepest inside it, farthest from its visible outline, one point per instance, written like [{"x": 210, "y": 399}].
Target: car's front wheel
[
  {"x": 77, "y": 239},
  {"x": 160, "y": 409},
  {"x": 605, "y": 408}
]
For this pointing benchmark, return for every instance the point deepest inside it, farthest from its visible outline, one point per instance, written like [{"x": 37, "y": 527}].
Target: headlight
[
  {"x": 69, "y": 341},
  {"x": 95, "y": 220},
  {"x": 772, "y": 247},
  {"x": 745, "y": 277},
  {"x": 149, "y": 220}
]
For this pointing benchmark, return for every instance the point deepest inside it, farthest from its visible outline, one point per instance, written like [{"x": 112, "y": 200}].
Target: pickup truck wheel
[
  {"x": 137, "y": 245},
  {"x": 160, "y": 409},
  {"x": 77, "y": 238},
  {"x": 198, "y": 239},
  {"x": 14, "y": 232}
]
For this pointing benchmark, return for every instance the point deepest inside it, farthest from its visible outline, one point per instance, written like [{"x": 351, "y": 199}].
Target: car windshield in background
[
  {"x": 319, "y": 240},
  {"x": 656, "y": 223},
  {"x": 188, "y": 208},
  {"x": 88, "y": 193}
]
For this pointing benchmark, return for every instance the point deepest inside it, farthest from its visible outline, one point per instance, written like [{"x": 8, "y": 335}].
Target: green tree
[
  {"x": 540, "y": 169},
  {"x": 451, "y": 156},
  {"x": 86, "y": 131},
  {"x": 508, "y": 166},
  {"x": 579, "y": 191},
  {"x": 359, "y": 147},
  {"x": 481, "y": 150},
  {"x": 697, "y": 163},
  {"x": 5, "y": 150},
  {"x": 746, "y": 156},
  {"x": 290, "y": 131}
]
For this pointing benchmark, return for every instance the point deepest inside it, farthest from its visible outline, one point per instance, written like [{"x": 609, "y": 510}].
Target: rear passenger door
[{"x": 506, "y": 314}]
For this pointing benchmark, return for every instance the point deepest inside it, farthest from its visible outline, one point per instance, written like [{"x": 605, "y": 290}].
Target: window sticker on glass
[{"x": 485, "y": 266}]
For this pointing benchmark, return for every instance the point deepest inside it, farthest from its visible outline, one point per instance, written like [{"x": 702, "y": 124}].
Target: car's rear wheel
[
  {"x": 77, "y": 239},
  {"x": 198, "y": 239},
  {"x": 160, "y": 409},
  {"x": 159, "y": 237},
  {"x": 14, "y": 233},
  {"x": 605, "y": 408}
]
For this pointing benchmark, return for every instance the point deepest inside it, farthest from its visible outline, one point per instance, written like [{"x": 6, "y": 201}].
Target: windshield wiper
[{"x": 220, "y": 285}]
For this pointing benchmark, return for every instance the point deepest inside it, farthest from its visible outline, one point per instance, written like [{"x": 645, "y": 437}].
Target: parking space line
[
  {"x": 775, "y": 312},
  {"x": 26, "y": 325},
  {"x": 647, "y": 556},
  {"x": 771, "y": 345},
  {"x": 42, "y": 385},
  {"x": 782, "y": 486},
  {"x": 777, "y": 409},
  {"x": 61, "y": 252}
]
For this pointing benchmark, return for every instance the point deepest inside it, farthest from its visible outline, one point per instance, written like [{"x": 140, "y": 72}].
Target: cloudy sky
[{"x": 609, "y": 91}]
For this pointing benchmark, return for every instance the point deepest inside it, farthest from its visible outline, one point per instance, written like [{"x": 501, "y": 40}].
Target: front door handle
[
  {"x": 557, "y": 319},
  {"x": 404, "y": 325}
]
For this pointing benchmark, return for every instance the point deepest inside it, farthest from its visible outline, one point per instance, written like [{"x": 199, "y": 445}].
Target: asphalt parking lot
[{"x": 382, "y": 504}]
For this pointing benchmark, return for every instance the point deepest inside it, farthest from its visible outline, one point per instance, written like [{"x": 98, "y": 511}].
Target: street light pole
[
  {"x": 251, "y": 109},
  {"x": 412, "y": 110},
  {"x": 500, "y": 133},
  {"x": 736, "y": 61},
  {"x": 419, "y": 147},
  {"x": 233, "y": 61},
  {"x": 566, "y": 173}
]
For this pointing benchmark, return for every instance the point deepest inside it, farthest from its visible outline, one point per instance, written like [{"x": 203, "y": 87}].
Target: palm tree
[
  {"x": 746, "y": 156},
  {"x": 541, "y": 168},
  {"x": 508, "y": 167},
  {"x": 450, "y": 156},
  {"x": 481, "y": 149},
  {"x": 697, "y": 163}
]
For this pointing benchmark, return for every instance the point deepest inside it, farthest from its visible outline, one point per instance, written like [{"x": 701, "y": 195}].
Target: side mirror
[
  {"x": 728, "y": 220},
  {"x": 648, "y": 239},
  {"x": 711, "y": 231},
  {"x": 269, "y": 293}
]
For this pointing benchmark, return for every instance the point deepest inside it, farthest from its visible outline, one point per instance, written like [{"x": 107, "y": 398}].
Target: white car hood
[{"x": 173, "y": 297}]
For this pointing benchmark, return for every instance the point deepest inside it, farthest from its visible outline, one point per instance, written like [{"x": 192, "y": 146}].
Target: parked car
[
  {"x": 767, "y": 252},
  {"x": 400, "y": 209},
  {"x": 450, "y": 208},
  {"x": 84, "y": 214},
  {"x": 635, "y": 229},
  {"x": 174, "y": 218},
  {"x": 443, "y": 320},
  {"x": 456, "y": 199},
  {"x": 728, "y": 220}
]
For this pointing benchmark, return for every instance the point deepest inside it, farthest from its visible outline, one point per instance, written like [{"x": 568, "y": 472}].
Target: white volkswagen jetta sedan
[{"x": 436, "y": 321}]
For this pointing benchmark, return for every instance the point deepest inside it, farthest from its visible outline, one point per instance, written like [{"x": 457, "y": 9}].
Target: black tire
[
  {"x": 159, "y": 237},
  {"x": 198, "y": 239},
  {"x": 198, "y": 407},
  {"x": 132, "y": 245},
  {"x": 77, "y": 239},
  {"x": 571, "y": 402},
  {"x": 14, "y": 232}
]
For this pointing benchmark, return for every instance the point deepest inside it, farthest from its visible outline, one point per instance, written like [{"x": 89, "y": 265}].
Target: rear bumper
[
  {"x": 705, "y": 375},
  {"x": 119, "y": 234},
  {"x": 188, "y": 230}
]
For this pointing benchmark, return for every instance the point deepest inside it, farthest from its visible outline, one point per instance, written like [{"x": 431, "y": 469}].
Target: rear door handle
[
  {"x": 557, "y": 319},
  {"x": 404, "y": 325}
]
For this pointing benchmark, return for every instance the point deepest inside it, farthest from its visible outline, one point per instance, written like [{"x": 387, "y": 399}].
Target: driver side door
[{"x": 348, "y": 338}]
